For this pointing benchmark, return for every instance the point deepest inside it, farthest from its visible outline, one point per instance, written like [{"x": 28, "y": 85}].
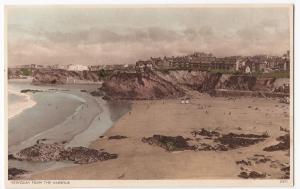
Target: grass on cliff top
[
  {"x": 225, "y": 71},
  {"x": 276, "y": 74},
  {"x": 284, "y": 74}
]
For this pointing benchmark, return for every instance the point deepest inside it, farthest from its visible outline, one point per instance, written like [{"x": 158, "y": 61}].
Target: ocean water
[
  {"x": 59, "y": 113},
  {"x": 32, "y": 113}
]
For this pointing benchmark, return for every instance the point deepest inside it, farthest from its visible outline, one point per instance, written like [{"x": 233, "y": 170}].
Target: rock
[
  {"x": 56, "y": 152},
  {"x": 285, "y": 100},
  {"x": 41, "y": 152},
  {"x": 117, "y": 137},
  {"x": 252, "y": 175},
  {"x": 12, "y": 157},
  {"x": 283, "y": 129},
  {"x": 234, "y": 135},
  {"x": 243, "y": 175},
  {"x": 140, "y": 86},
  {"x": 208, "y": 147},
  {"x": 169, "y": 143},
  {"x": 286, "y": 171},
  {"x": 233, "y": 141},
  {"x": 97, "y": 93},
  {"x": 14, "y": 173},
  {"x": 82, "y": 155},
  {"x": 244, "y": 162},
  {"x": 59, "y": 76},
  {"x": 221, "y": 142},
  {"x": 284, "y": 144},
  {"x": 41, "y": 140},
  {"x": 204, "y": 132},
  {"x": 256, "y": 159},
  {"x": 30, "y": 90}
]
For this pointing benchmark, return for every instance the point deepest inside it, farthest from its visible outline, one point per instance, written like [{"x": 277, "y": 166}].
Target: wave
[{"x": 19, "y": 105}]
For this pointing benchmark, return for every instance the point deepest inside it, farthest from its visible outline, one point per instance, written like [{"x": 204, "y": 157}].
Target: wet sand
[{"x": 138, "y": 160}]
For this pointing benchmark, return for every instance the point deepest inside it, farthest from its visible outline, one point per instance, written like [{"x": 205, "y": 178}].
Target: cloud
[{"x": 90, "y": 39}]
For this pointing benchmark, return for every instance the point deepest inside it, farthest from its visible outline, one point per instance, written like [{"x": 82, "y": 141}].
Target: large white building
[{"x": 77, "y": 67}]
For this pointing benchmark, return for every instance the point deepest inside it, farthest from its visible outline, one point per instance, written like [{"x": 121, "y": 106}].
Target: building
[
  {"x": 77, "y": 67},
  {"x": 141, "y": 65}
]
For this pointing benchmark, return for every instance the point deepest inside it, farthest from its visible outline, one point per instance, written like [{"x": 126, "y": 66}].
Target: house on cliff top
[{"x": 77, "y": 67}]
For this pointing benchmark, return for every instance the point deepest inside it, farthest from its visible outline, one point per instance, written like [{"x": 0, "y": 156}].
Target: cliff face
[
  {"x": 206, "y": 81},
  {"x": 19, "y": 73},
  {"x": 157, "y": 85},
  {"x": 64, "y": 77},
  {"x": 236, "y": 82},
  {"x": 140, "y": 86}
]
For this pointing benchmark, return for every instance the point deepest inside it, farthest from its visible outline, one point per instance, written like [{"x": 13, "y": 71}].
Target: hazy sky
[{"x": 74, "y": 35}]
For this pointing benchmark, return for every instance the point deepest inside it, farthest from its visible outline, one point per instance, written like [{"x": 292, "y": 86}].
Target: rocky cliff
[
  {"x": 19, "y": 73},
  {"x": 140, "y": 86},
  {"x": 47, "y": 76},
  {"x": 157, "y": 85},
  {"x": 205, "y": 81}
]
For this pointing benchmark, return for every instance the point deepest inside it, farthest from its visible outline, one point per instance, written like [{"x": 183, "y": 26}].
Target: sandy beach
[{"x": 139, "y": 160}]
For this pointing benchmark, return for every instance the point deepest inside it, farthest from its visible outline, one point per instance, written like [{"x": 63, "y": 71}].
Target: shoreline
[
  {"x": 75, "y": 129},
  {"x": 171, "y": 118},
  {"x": 21, "y": 106}
]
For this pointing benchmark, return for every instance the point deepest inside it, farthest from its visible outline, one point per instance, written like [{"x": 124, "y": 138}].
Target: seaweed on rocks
[
  {"x": 83, "y": 155},
  {"x": 209, "y": 141},
  {"x": 169, "y": 143},
  {"x": 56, "y": 152}
]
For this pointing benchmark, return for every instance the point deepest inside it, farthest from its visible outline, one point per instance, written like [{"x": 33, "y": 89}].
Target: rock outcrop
[
  {"x": 51, "y": 76},
  {"x": 172, "y": 84},
  {"x": 169, "y": 143},
  {"x": 205, "y": 140},
  {"x": 19, "y": 73},
  {"x": 41, "y": 152},
  {"x": 15, "y": 173},
  {"x": 284, "y": 144},
  {"x": 140, "y": 86}
]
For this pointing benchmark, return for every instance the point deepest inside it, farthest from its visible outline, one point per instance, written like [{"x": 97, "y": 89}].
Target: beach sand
[{"x": 138, "y": 160}]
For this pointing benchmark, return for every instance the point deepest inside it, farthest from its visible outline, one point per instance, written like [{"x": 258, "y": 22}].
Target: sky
[{"x": 110, "y": 35}]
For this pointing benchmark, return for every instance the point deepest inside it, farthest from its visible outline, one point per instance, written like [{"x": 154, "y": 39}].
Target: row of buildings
[
  {"x": 70, "y": 67},
  {"x": 79, "y": 67},
  {"x": 195, "y": 61},
  {"x": 206, "y": 61}
]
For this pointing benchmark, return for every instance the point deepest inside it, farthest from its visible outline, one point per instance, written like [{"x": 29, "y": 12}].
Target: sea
[{"x": 58, "y": 113}]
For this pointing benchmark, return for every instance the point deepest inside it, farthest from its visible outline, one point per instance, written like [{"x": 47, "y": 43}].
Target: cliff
[
  {"x": 19, "y": 73},
  {"x": 47, "y": 76},
  {"x": 167, "y": 84},
  {"x": 140, "y": 86},
  {"x": 172, "y": 84}
]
